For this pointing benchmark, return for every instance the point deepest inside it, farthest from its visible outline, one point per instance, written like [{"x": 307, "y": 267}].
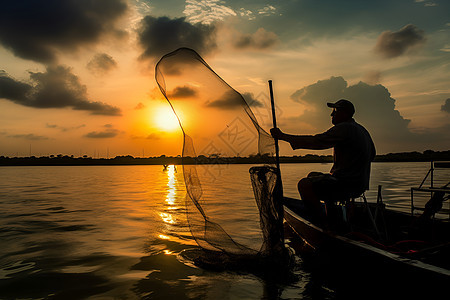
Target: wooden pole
[
  {"x": 274, "y": 119},
  {"x": 277, "y": 199}
]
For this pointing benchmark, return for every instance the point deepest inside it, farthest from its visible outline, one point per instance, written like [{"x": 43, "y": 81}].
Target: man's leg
[{"x": 311, "y": 200}]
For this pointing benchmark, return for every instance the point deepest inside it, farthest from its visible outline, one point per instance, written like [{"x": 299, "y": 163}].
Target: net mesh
[
  {"x": 268, "y": 192},
  {"x": 219, "y": 129}
]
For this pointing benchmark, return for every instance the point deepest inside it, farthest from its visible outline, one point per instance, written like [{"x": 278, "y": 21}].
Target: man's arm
[{"x": 320, "y": 141}]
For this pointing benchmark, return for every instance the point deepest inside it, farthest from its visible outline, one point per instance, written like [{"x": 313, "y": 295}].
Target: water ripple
[{"x": 116, "y": 231}]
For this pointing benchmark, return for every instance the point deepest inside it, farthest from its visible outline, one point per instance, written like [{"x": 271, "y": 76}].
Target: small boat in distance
[{"x": 170, "y": 167}]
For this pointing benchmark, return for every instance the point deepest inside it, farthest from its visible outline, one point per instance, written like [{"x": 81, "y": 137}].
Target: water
[{"x": 106, "y": 232}]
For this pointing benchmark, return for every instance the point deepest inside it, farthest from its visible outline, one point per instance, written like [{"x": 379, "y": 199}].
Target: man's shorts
[{"x": 328, "y": 188}]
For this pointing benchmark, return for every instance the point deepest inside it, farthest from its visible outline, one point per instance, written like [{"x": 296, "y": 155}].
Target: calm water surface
[{"x": 103, "y": 232}]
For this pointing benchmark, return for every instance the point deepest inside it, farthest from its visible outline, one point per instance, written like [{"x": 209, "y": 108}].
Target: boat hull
[{"x": 344, "y": 253}]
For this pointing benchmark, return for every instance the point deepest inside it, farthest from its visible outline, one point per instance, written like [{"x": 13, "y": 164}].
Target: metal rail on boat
[{"x": 432, "y": 189}]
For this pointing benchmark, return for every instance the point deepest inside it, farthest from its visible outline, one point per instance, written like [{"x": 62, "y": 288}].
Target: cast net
[{"x": 221, "y": 133}]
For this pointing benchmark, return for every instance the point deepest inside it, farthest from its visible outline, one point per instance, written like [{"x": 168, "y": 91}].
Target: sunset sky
[{"x": 77, "y": 76}]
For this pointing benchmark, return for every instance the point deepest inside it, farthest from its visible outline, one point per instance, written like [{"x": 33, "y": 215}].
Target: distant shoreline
[{"x": 65, "y": 160}]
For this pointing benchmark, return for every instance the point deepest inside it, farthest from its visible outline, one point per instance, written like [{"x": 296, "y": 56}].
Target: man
[{"x": 353, "y": 153}]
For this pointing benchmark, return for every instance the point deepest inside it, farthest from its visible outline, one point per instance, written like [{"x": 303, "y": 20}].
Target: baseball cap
[{"x": 344, "y": 104}]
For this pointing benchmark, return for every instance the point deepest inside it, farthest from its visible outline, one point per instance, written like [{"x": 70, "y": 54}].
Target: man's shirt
[{"x": 353, "y": 152}]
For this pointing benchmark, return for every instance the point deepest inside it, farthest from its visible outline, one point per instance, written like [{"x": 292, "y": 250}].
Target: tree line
[{"x": 55, "y": 160}]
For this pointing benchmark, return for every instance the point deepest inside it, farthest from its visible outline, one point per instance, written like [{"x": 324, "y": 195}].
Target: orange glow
[{"x": 165, "y": 119}]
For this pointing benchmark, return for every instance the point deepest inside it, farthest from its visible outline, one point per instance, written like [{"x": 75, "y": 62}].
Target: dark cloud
[
  {"x": 322, "y": 89},
  {"x": 446, "y": 106},
  {"x": 375, "y": 109},
  {"x": 58, "y": 87},
  {"x": 108, "y": 133},
  {"x": 232, "y": 99},
  {"x": 97, "y": 108},
  {"x": 260, "y": 40},
  {"x": 392, "y": 44},
  {"x": 37, "y": 30},
  {"x": 182, "y": 92},
  {"x": 159, "y": 36},
  {"x": 101, "y": 64},
  {"x": 13, "y": 90},
  {"x": 30, "y": 136}
]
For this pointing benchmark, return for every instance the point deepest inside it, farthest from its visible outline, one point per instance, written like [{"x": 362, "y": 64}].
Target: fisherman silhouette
[{"x": 354, "y": 151}]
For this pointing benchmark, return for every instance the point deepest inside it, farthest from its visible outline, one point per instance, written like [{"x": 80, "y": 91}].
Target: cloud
[
  {"x": 30, "y": 136},
  {"x": 139, "y": 106},
  {"x": 251, "y": 100},
  {"x": 153, "y": 136},
  {"x": 108, "y": 133},
  {"x": 446, "y": 106},
  {"x": 182, "y": 92},
  {"x": 393, "y": 44},
  {"x": 375, "y": 109},
  {"x": 372, "y": 77},
  {"x": 426, "y": 3},
  {"x": 58, "y": 87},
  {"x": 159, "y": 36},
  {"x": 247, "y": 13},
  {"x": 232, "y": 99},
  {"x": 13, "y": 90},
  {"x": 261, "y": 39},
  {"x": 62, "y": 128},
  {"x": 327, "y": 89},
  {"x": 38, "y": 30},
  {"x": 207, "y": 11},
  {"x": 101, "y": 64},
  {"x": 267, "y": 10}
]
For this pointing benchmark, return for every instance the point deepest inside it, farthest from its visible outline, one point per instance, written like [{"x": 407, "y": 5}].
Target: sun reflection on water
[
  {"x": 163, "y": 237},
  {"x": 168, "y": 218},
  {"x": 170, "y": 198}
]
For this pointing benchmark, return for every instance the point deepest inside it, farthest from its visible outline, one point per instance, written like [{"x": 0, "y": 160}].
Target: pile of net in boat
[{"x": 220, "y": 131}]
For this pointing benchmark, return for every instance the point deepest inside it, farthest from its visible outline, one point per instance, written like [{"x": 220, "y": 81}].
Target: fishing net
[{"x": 221, "y": 133}]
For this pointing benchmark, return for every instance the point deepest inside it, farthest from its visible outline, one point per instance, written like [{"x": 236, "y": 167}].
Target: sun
[{"x": 165, "y": 119}]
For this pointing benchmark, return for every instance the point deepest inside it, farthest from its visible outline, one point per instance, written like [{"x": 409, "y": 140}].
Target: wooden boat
[{"x": 406, "y": 248}]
